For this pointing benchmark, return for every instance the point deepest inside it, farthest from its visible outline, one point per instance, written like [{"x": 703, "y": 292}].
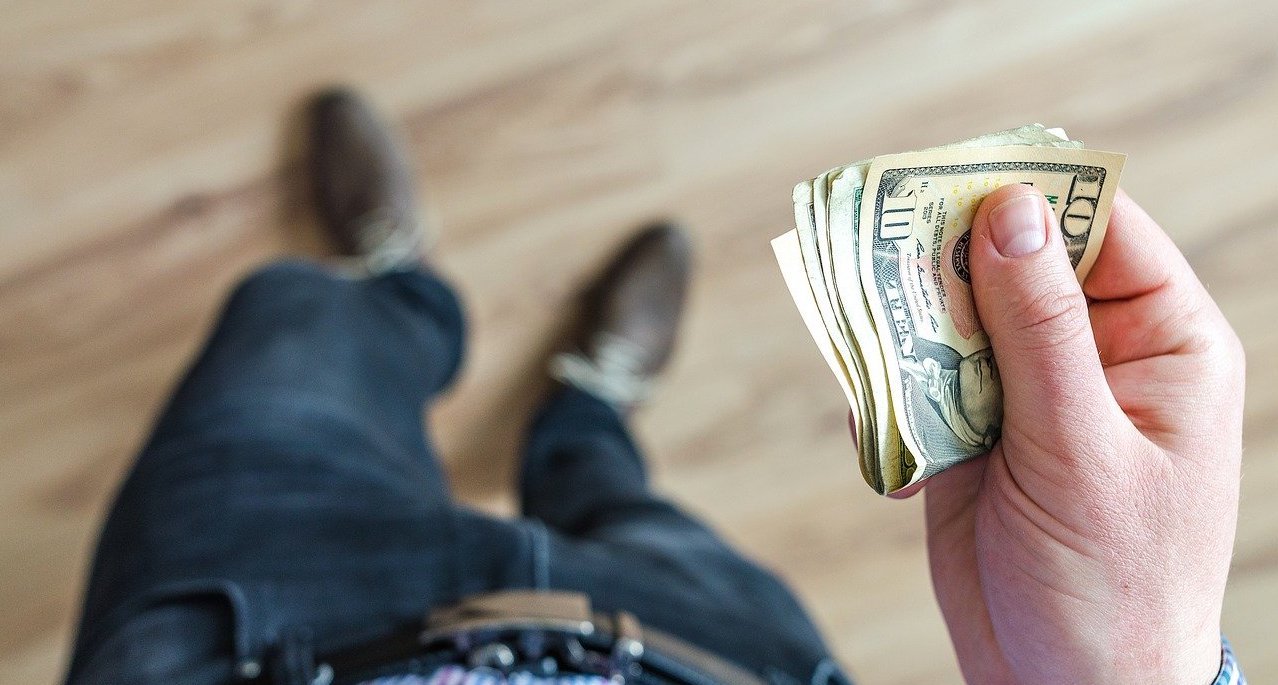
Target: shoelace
[
  {"x": 385, "y": 244},
  {"x": 613, "y": 374}
]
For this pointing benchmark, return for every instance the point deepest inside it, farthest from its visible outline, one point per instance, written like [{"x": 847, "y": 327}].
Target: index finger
[{"x": 1137, "y": 257}]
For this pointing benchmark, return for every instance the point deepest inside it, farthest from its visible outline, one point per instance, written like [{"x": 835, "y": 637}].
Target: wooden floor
[{"x": 148, "y": 160}]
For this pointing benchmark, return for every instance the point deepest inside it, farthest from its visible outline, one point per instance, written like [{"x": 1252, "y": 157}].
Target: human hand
[{"x": 1092, "y": 544}]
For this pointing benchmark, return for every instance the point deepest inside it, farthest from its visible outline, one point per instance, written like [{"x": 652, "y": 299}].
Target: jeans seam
[{"x": 539, "y": 542}]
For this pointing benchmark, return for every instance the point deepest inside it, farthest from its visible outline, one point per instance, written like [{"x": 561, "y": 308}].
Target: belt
[{"x": 531, "y": 630}]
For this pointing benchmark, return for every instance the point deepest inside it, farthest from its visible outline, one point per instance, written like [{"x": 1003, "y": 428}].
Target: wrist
[
  {"x": 1230, "y": 672},
  {"x": 1196, "y": 661},
  {"x": 1202, "y": 665}
]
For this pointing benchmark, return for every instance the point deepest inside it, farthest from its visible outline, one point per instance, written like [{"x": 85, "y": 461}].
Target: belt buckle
[
  {"x": 627, "y": 647},
  {"x": 488, "y": 630},
  {"x": 555, "y": 611}
]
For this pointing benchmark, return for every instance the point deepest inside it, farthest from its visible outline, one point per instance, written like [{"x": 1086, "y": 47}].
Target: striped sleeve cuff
[{"x": 1230, "y": 673}]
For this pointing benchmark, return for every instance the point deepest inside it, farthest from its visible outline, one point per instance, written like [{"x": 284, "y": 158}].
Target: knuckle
[
  {"x": 1215, "y": 340},
  {"x": 1049, "y": 315},
  {"x": 1233, "y": 350},
  {"x": 1224, "y": 346},
  {"x": 1184, "y": 312}
]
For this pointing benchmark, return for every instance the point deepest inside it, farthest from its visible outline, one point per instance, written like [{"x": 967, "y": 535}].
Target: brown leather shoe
[
  {"x": 364, "y": 186},
  {"x": 631, "y": 317}
]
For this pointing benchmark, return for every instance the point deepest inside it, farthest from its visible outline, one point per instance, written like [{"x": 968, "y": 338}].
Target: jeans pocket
[{"x": 166, "y": 629}]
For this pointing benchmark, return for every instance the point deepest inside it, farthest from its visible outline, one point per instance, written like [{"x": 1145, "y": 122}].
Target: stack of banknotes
[{"x": 878, "y": 267}]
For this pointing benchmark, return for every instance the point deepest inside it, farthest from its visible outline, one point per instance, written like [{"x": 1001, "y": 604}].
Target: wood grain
[{"x": 148, "y": 160}]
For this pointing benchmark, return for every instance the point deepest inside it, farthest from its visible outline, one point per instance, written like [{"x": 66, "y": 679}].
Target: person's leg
[
  {"x": 295, "y": 442},
  {"x": 631, "y": 549},
  {"x": 289, "y": 479},
  {"x": 298, "y": 337},
  {"x": 583, "y": 475},
  {"x": 612, "y": 537}
]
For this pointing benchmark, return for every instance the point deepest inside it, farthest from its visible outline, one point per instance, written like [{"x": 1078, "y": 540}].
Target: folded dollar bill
[{"x": 877, "y": 266}]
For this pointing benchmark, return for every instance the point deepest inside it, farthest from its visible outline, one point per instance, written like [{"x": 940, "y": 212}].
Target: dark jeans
[{"x": 288, "y": 496}]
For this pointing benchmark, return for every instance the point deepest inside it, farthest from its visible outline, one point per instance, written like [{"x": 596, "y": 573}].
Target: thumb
[{"x": 1034, "y": 311}]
